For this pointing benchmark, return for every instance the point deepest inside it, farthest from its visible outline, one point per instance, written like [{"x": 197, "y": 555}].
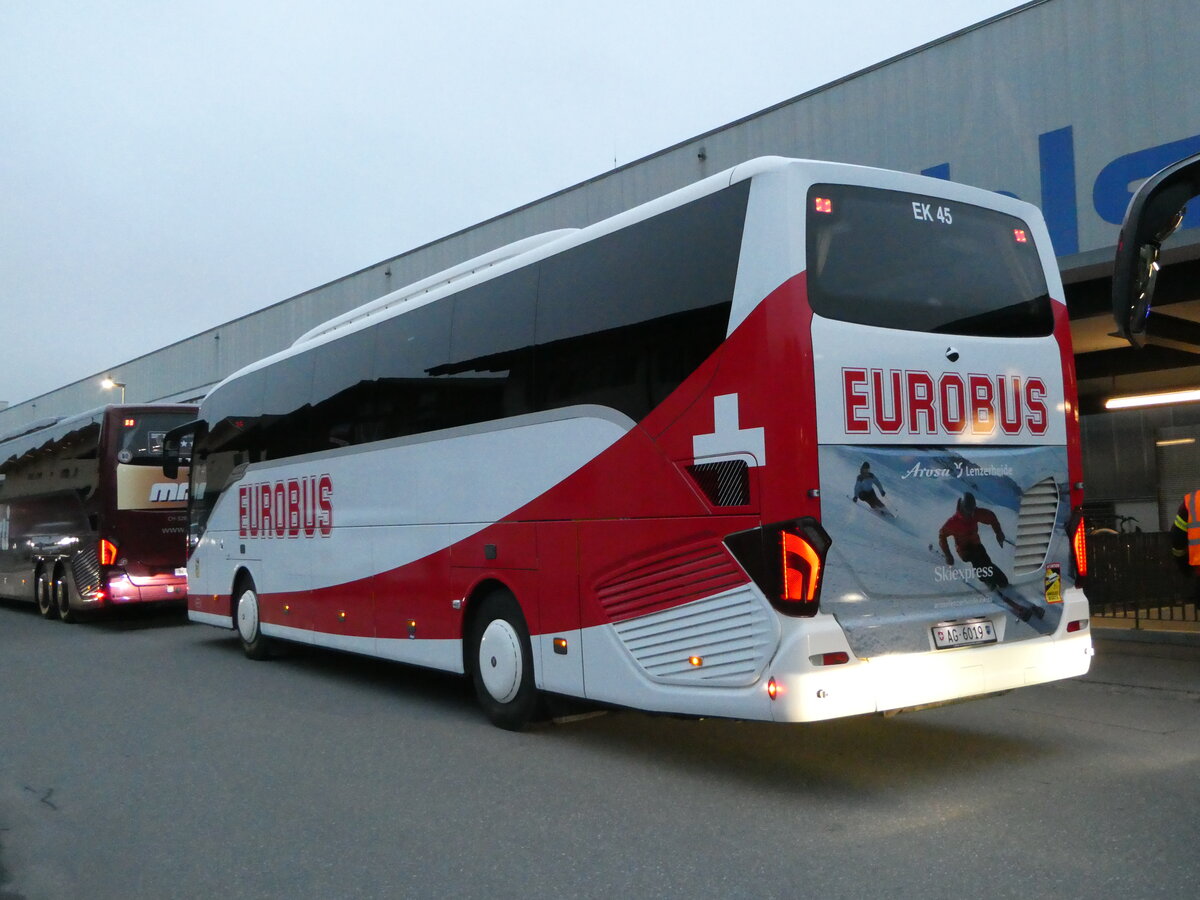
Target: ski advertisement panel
[{"x": 944, "y": 488}]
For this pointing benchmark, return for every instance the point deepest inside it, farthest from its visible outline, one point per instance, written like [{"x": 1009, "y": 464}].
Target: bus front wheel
[
  {"x": 502, "y": 662},
  {"x": 254, "y": 643}
]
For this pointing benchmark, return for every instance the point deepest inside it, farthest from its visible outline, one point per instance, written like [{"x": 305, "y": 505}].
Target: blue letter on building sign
[
  {"x": 1056, "y": 154},
  {"x": 1117, "y": 181}
]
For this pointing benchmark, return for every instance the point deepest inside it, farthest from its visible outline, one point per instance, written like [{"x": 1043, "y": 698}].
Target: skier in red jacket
[{"x": 963, "y": 526}]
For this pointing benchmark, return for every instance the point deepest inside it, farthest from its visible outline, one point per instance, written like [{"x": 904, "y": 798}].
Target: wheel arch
[{"x": 241, "y": 576}]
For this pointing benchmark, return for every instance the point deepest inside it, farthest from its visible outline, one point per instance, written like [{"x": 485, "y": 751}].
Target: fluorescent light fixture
[
  {"x": 1189, "y": 396},
  {"x": 1174, "y": 442}
]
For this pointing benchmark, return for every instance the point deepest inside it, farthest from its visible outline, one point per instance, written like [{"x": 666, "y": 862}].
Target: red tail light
[
  {"x": 786, "y": 562},
  {"x": 1079, "y": 545},
  {"x": 801, "y": 569},
  {"x": 108, "y": 553}
]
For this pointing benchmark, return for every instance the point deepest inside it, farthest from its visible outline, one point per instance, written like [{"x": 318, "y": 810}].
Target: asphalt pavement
[{"x": 1160, "y": 661}]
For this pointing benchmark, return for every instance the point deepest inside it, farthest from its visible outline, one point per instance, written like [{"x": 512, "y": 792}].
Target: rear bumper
[
  {"x": 125, "y": 590},
  {"x": 807, "y": 692}
]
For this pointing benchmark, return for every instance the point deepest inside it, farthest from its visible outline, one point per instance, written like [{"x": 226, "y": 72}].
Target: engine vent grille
[
  {"x": 723, "y": 641},
  {"x": 85, "y": 566},
  {"x": 1035, "y": 526}
]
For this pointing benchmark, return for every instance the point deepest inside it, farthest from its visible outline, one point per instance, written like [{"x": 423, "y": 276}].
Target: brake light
[
  {"x": 801, "y": 569},
  {"x": 108, "y": 553},
  {"x": 786, "y": 561},
  {"x": 1079, "y": 545}
]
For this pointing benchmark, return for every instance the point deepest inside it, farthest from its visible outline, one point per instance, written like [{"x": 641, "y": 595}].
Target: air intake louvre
[
  {"x": 733, "y": 633},
  {"x": 725, "y": 483},
  {"x": 1035, "y": 526},
  {"x": 687, "y": 573}
]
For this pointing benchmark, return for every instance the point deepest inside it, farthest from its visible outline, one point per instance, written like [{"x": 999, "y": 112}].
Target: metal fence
[{"x": 1134, "y": 576}]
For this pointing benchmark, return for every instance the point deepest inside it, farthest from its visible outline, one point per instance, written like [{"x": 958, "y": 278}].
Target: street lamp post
[{"x": 108, "y": 384}]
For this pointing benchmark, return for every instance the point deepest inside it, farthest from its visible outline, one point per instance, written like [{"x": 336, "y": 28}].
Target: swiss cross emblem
[{"x": 728, "y": 439}]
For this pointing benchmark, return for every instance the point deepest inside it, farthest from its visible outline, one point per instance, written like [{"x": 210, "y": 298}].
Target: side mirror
[
  {"x": 1153, "y": 215},
  {"x": 176, "y": 448}
]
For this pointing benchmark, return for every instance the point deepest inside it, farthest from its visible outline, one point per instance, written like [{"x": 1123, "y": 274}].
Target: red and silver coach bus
[
  {"x": 87, "y": 518},
  {"x": 798, "y": 441}
]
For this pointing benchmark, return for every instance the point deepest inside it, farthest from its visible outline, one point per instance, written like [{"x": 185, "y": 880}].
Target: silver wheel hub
[
  {"x": 500, "y": 662},
  {"x": 247, "y": 616}
]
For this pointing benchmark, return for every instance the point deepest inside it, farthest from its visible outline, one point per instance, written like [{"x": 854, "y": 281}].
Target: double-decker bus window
[
  {"x": 899, "y": 260},
  {"x": 623, "y": 319}
]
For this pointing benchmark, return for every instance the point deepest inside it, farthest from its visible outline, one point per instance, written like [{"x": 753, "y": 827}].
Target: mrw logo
[{"x": 168, "y": 492}]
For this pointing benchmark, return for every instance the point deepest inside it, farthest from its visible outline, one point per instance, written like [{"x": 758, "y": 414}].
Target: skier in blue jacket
[{"x": 865, "y": 486}]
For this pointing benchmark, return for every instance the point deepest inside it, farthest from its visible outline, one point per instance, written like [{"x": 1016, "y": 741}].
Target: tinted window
[
  {"x": 342, "y": 364},
  {"x": 906, "y": 261},
  {"x": 620, "y": 321},
  {"x": 286, "y": 408},
  {"x": 140, "y": 436},
  {"x": 623, "y": 319},
  {"x": 490, "y": 372},
  {"x": 233, "y": 412},
  {"x": 407, "y": 396},
  {"x": 342, "y": 388}
]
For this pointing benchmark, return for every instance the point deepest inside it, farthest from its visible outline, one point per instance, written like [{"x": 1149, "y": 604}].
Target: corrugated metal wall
[{"x": 1039, "y": 102}]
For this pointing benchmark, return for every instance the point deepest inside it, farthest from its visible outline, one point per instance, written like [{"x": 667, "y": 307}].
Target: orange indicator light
[
  {"x": 695, "y": 660},
  {"x": 341, "y": 614},
  {"x": 772, "y": 689},
  {"x": 107, "y": 553}
]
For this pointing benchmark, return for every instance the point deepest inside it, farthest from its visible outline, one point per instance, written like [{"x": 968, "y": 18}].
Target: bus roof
[
  {"x": 532, "y": 249},
  {"x": 44, "y": 433}
]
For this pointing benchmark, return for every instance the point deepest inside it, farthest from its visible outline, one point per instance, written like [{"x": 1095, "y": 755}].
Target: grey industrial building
[{"x": 1064, "y": 103}]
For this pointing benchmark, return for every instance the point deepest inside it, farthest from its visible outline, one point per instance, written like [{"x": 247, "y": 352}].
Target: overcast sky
[{"x": 169, "y": 166}]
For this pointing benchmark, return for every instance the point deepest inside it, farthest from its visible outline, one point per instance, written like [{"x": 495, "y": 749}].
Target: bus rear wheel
[
  {"x": 502, "y": 663},
  {"x": 62, "y": 595},
  {"x": 255, "y": 644},
  {"x": 42, "y": 593}
]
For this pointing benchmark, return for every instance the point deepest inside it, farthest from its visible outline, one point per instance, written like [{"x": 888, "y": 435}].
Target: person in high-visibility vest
[{"x": 1185, "y": 533}]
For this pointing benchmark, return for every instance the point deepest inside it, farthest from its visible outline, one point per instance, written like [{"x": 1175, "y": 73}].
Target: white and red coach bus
[
  {"x": 88, "y": 521},
  {"x": 795, "y": 442}
]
